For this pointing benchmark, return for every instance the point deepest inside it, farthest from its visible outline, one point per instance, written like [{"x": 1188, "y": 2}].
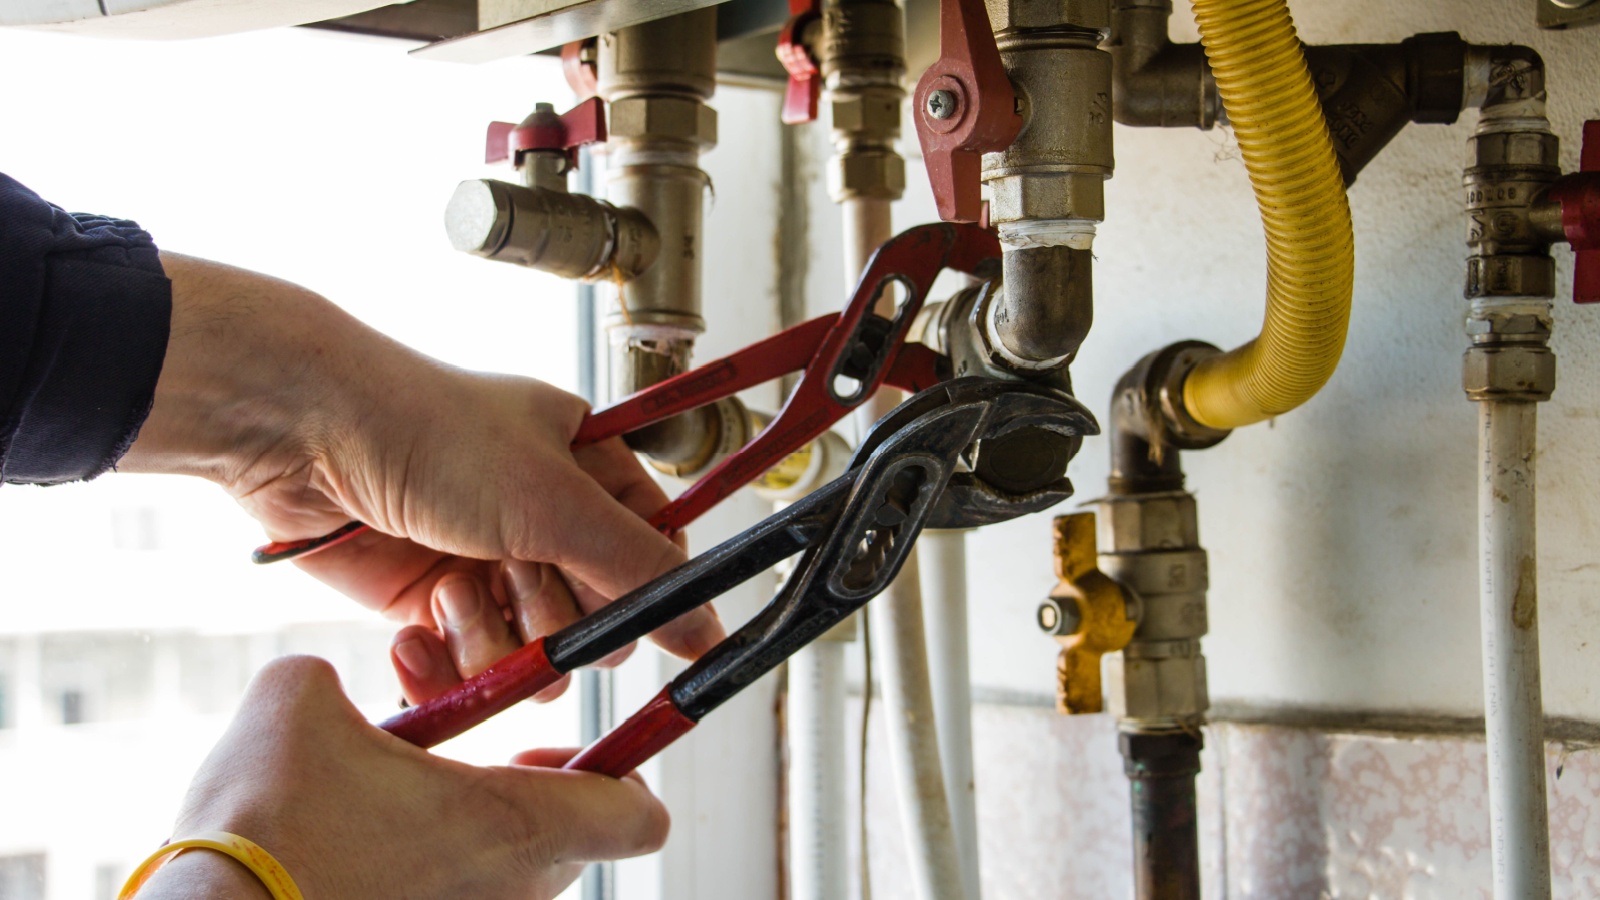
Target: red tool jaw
[
  {"x": 805, "y": 78},
  {"x": 1579, "y": 196},
  {"x": 975, "y": 111}
]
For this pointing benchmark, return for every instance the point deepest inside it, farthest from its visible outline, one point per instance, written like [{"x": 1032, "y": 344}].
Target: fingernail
[
  {"x": 459, "y": 601},
  {"x": 414, "y": 656},
  {"x": 526, "y": 578}
]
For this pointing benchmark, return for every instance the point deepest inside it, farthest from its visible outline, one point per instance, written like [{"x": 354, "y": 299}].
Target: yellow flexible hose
[{"x": 1266, "y": 88}]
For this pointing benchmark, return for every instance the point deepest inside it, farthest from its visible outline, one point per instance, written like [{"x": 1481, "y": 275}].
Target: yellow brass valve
[{"x": 1087, "y": 612}]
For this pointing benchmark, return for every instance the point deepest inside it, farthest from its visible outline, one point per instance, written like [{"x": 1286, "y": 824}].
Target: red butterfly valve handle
[{"x": 965, "y": 106}]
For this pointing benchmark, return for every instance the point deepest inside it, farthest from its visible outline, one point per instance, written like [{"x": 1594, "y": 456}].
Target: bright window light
[{"x": 130, "y": 617}]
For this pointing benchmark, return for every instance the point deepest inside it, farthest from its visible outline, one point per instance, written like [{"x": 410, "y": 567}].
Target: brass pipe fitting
[
  {"x": 1510, "y": 272},
  {"x": 655, "y": 79},
  {"x": 571, "y": 235},
  {"x": 1368, "y": 91},
  {"x": 1149, "y": 423},
  {"x": 862, "y": 57},
  {"x": 1154, "y": 82},
  {"x": 1048, "y": 188},
  {"x": 1089, "y": 614},
  {"x": 1151, "y": 546}
]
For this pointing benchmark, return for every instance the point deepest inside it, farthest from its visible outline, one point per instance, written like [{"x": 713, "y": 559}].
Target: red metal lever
[
  {"x": 579, "y": 65},
  {"x": 544, "y": 130},
  {"x": 1579, "y": 196},
  {"x": 805, "y": 78},
  {"x": 965, "y": 106}
]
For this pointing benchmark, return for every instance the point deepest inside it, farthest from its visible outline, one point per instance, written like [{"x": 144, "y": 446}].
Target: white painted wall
[{"x": 1342, "y": 536}]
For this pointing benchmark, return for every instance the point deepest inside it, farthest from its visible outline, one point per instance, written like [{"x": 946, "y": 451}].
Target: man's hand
[
  {"x": 488, "y": 530},
  {"x": 355, "y": 813}
]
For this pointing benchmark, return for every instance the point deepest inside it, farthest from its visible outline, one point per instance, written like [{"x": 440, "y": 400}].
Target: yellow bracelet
[{"x": 248, "y": 853}]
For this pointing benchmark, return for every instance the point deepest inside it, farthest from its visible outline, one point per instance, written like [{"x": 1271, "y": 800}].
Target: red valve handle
[
  {"x": 974, "y": 112},
  {"x": 544, "y": 130},
  {"x": 805, "y": 79},
  {"x": 1579, "y": 196},
  {"x": 579, "y": 65}
]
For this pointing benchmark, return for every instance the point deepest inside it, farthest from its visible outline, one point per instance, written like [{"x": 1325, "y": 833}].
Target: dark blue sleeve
[{"x": 85, "y": 309}]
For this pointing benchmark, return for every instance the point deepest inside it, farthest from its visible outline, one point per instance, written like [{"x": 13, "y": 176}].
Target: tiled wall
[{"x": 1286, "y": 813}]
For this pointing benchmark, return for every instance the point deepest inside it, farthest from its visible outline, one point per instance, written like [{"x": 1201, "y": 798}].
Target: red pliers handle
[{"x": 843, "y": 359}]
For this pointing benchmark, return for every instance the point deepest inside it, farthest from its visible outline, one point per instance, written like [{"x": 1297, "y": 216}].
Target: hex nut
[
  {"x": 1509, "y": 372},
  {"x": 867, "y": 173},
  {"x": 1504, "y": 275},
  {"x": 1058, "y": 616},
  {"x": 1516, "y": 148},
  {"x": 1494, "y": 325},
  {"x": 1159, "y": 690},
  {"x": 1145, "y": 522},
  {"x": 1069, "y": 195},
  {"x": 867, "y": 114},
  {"x": 679, "y": 118},
  {"x": 1015, "y": 14}
]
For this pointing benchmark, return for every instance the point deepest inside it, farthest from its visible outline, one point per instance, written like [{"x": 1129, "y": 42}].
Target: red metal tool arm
[
  {"x": 521, "y": 674},
  {"x": 787, "y": 351},
  {"x": 646, "y": 733},
  {"x": 916, "y": 368}
]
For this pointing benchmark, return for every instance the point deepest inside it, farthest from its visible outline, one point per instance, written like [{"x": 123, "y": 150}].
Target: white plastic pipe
[
  {"x": 820, "y": 821},
  {"x": 900, "y": 645},
  {"x": 944, "y": 602},
  {"x": 1509, "y": 604}
]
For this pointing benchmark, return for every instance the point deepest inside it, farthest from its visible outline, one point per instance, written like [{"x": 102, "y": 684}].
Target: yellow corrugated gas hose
[{"x": 1266, "y": 88}]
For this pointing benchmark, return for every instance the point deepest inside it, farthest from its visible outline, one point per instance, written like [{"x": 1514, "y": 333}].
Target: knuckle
[{"x": 296, "y": 675}]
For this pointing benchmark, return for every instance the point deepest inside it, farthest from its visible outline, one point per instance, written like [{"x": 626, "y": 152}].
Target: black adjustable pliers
[{"x": 855, "y": 533}]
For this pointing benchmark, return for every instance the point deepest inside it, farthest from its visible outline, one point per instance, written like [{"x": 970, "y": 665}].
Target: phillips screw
[{"x": 941, "y": 104}]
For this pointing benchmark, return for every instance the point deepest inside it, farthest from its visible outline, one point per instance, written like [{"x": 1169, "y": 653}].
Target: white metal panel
[{"x": 164, "y": 19}]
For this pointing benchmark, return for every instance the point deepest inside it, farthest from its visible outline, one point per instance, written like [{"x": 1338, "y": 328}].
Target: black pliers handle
[{"x": 854, "y": 533}]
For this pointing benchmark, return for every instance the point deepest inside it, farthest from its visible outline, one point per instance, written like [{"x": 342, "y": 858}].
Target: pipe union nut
[
  {"x": 872, "y": 173},
  {"x": 1159, "y": 683},
  {"x": 1492, "y": 326},
  {"x": 1524, "y": 372},
  {"x": 1094, "y": 15},
  {"x": 1139, "y": 523},
  {"x": 1532, "y": 149},
  {"x": 867, "y": 115},
  {"x": 1072, "y": 195},
  {"x": 664, "y": 117},
  {"x": 1503, "y": 275}
]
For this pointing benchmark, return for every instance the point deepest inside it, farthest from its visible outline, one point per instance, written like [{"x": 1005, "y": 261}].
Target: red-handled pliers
[
  {"x": 843, "y": 359},
  {"x": 854, "y": 533}
]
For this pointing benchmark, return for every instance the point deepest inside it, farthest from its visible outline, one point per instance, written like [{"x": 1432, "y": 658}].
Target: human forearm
[{"x": 258, "y": 372}]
